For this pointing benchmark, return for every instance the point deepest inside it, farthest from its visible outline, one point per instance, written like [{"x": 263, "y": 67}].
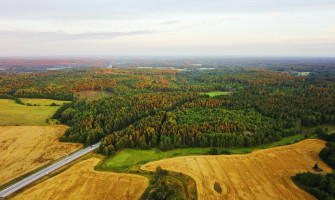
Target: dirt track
[
  {"x": 263, "y": 174},
  {"x": 82, "y": 182},
  {"x": 25, "y": 148}
]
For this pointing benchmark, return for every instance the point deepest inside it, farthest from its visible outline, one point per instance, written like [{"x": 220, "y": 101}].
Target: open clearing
[
  {"x": 25, "y": 148},
  {"x": 93, "y": 95},
  {"x": 263, "y": 174},
  {"x": 82, "y": 182},
  {"x": 12, "y": 114},
  {"x": 217, "y": 93}
]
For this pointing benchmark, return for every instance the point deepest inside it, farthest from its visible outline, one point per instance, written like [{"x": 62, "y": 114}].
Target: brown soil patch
[
  {"x": 263, "y": 174},
  {"x": 82, "y": 182},
  {"x": 25, "y": 148}
]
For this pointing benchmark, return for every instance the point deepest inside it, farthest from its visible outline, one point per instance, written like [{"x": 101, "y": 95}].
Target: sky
[{"x": 167, "y": 28}]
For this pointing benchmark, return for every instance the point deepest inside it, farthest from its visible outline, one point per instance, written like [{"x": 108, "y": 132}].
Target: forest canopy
[{"x": 169, "y": 108}]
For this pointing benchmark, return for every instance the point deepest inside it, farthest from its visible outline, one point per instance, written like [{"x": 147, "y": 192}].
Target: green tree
[{"x": 68, "y": 114}]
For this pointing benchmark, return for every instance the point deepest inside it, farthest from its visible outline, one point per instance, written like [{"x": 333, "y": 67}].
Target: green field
[
  {"x": 12, "y": 114},
  {"x": 217, "y": 93},
  {"x": 130, "y": 160}
]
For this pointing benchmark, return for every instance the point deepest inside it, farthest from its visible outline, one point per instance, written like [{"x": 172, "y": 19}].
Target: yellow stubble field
[
  {"x": 25, "y": 148},
  {"x": 82, "y": 182},
  {"x": 263, "y": 174}
]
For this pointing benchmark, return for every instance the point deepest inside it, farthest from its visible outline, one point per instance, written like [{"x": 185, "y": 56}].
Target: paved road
[{"x": 46, "y": 171}]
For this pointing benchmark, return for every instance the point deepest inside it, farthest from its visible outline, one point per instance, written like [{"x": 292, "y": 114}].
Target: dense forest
[
  {"x": 322, "y": 187},
  {"x": 168, "y": 108}
]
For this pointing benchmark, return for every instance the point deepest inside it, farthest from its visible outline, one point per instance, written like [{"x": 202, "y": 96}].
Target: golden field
[
  {"x": 82, "y": 182},
  {"x": 263, "y": 174},
  {"x": 25, "y": 148}
]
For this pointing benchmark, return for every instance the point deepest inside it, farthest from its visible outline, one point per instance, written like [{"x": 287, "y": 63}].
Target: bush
[
  {"x": 225, "y": 152},
  {"x": 213, "y": 151},
  {"x": 217, "y": 187},
  {"x": 17, "y": 100},
  {"x": 160, "y": 189},
  {"x": 160, "y": 171}
]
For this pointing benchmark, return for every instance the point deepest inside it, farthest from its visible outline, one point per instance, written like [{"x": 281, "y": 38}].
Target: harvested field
[
  {"x": 263, "y": 174},
  {"x": 82, "y": 182},
  {"x": 25, "y": 148}
]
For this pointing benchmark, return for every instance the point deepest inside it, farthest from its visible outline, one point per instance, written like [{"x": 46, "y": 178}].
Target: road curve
[{"x": 45, "y": 171}]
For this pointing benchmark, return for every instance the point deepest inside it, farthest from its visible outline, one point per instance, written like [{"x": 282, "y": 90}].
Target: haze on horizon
[{"x": 169, "y": 28}]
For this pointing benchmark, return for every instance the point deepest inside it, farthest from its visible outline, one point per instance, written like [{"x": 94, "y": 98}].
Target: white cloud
[
  {"x": 161, "y": 26},
  {"x": 276, "y": 14},
  {"x": 30, "y": 35},
  {"x": 169, "y": 22}
]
